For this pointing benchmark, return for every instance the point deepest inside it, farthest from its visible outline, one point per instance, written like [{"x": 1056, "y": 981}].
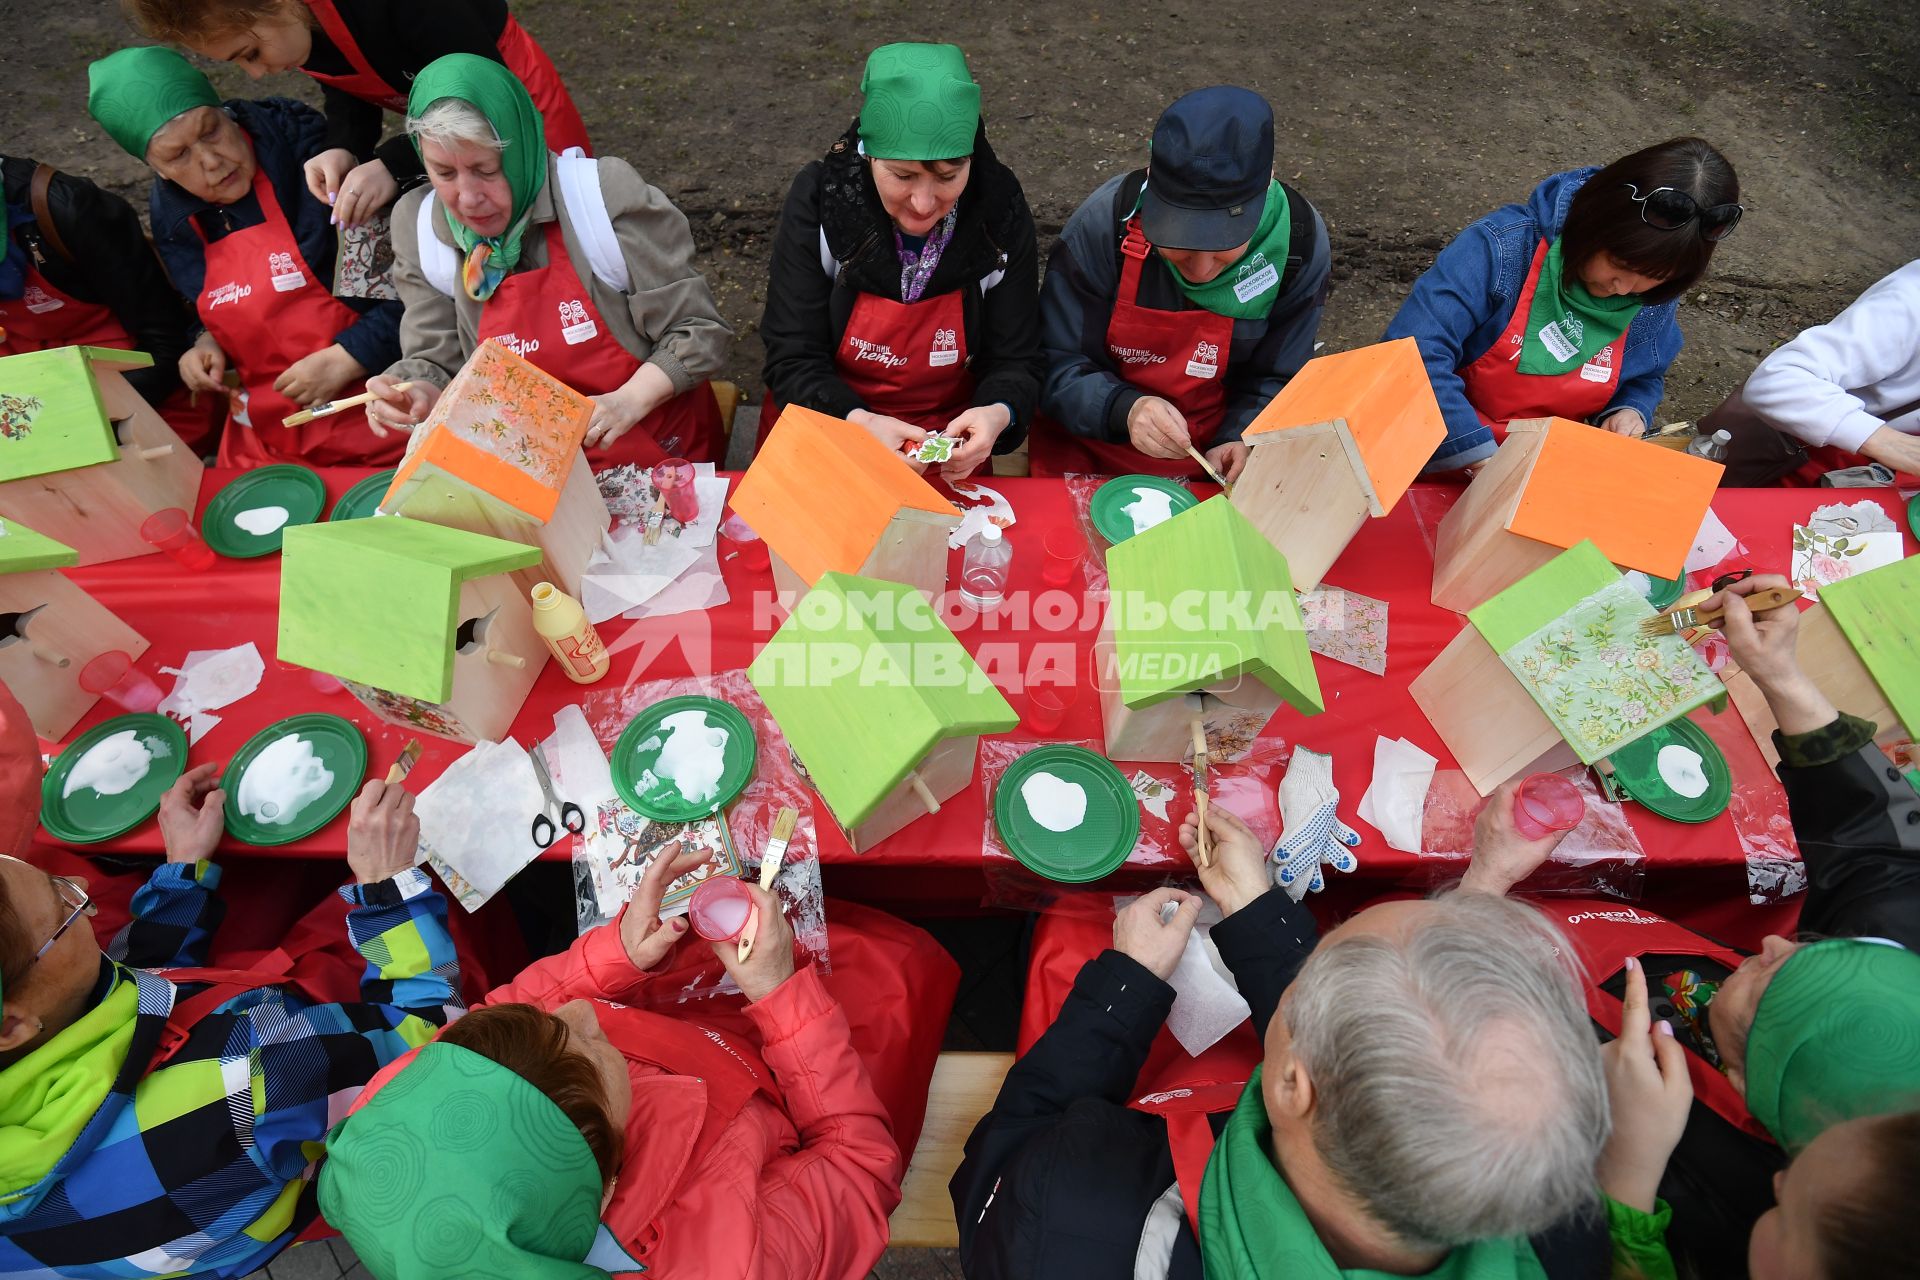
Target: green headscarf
[
  {"x": 921, "y": 103},
  {"x": 133, "y": 92},
  {"x": 47, "y": 1097},
  {"x": 1567, "y": 326},
  {"x": 1836, "y": 1036},
  {"x": 498, "y": 95},
  {"x": 458, "y": 1167},
  {"x": 1252, "y": 1227},
  {"x": 1249, "y": 287}
]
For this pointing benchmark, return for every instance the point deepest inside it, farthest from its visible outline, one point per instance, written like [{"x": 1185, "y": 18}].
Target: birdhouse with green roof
[
  {"x": 1202, "y": 627},
  {"x": 83, "y": 458},
  {"x": 50, "y": 629},
  {"x": 423, "y": 623},
  {"x": 879, "y": 702}
]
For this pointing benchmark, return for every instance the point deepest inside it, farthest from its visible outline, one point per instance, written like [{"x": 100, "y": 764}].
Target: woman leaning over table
[
  {"x": 577, "y": 264},
  {"x": 1565, "y": 306}
]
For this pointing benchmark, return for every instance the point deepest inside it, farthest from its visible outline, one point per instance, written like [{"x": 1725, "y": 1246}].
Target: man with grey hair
[{"x": 1430, "y": 1101}]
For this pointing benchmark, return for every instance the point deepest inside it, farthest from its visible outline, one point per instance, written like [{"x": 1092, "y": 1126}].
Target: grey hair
[
  {"x": 453, "y": 121},
  {"x": 1460, "y": 1092}
]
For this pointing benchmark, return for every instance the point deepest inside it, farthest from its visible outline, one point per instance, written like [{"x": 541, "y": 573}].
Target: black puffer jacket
[{"x": 833, "y": 204}]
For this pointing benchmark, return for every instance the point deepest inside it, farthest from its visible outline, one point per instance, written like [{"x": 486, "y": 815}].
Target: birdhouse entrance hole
[
  {"x": 472, "y": 636},
  {"x": 13, "y": 626}
]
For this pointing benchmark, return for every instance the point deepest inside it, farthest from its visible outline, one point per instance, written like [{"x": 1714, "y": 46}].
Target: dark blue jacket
[
  {"x": 1463, "y": 302},
  {"x": 286, "y": 134}
]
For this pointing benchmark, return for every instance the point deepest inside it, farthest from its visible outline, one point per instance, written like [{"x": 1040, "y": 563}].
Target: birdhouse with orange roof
[
  {"x": 1554, "y": 484},
  {"x": 827, "y": 497},
  {"x": 83, "y": 459},
  {"x": 1338, "y": 445},
  {"x": 500, "y": 455},
  {"x": 50, "y": 629}
]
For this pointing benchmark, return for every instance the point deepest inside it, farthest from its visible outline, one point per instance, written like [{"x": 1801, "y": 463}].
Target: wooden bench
[{"x": 963, "y": 1089}]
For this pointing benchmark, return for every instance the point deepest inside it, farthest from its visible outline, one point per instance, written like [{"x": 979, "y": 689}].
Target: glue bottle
[
  {"x": 563, "y": 624},
  {"x": 1713, "y": 448}
]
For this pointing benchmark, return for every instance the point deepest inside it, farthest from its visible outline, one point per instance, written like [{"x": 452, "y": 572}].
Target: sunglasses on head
[{"x": 1669, "y": 209}]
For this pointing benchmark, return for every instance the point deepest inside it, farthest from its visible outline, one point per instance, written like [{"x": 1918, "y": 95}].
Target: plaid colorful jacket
[{"x": 205, "y": 1166}]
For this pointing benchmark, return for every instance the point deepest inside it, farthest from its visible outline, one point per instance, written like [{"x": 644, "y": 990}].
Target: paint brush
[
  {"x": 332, "y": 407},
  {"x": 409, "y": 756},
  {"x": 1206, "y": 466},
  {"x": 783, "y": 828},
  {"x": 1672, "y": 624},
  {"x": 1202, "y": 846},
  {"x": 656, "y": 520}
]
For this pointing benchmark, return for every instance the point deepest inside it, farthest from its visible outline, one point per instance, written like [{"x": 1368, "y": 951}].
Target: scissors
[{"x": 571, "y": 818}]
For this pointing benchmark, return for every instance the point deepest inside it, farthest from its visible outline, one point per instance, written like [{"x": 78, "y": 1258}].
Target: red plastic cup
[
  {"x": 113, "y": 676},
  {"x": 674, "y": 477},
  {"x": 1546, "y": 803},
  {"x": 1045, "y": 710},
  {"x": 172, "y": 531},
  {"x": 752, "y": 550},
  {"x": 720, "y": 909},
  {"x": 1065, "y": 548}
]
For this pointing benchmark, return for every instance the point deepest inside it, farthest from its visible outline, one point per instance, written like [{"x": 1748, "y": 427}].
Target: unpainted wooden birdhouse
[
  {"x": 83, "y": 459},
  {"x": 50, "y": 629}
]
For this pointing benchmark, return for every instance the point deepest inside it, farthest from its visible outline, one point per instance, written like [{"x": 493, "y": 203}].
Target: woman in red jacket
[{"x": 563, "y": 1128}]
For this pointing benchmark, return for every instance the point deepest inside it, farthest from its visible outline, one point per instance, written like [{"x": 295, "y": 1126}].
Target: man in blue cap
[{"x": 1179, "y": 300}]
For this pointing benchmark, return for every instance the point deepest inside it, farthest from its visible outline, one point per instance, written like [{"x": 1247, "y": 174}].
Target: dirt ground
[{"x": 1402, "y": 122}]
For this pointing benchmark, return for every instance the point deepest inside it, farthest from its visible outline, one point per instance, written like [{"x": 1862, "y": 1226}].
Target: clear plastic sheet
[
  {"x": 1759, "y": 812},
  {"x": 1081, "y": 488},
  {"x": 1601, "y": 855},
  {"x": 777, "y": 783}
]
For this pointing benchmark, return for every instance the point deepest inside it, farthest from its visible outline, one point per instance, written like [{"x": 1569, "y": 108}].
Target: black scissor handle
[
  {"x": 544, "y": 832},
  {"x": 571, "y": 817}
]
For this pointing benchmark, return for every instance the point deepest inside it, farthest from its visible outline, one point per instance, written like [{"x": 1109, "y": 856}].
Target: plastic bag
[
  {"x": 1601, "y": 855},
  {"x": 1758, "y": 809},
  {"x": 1081, "y": 488}
]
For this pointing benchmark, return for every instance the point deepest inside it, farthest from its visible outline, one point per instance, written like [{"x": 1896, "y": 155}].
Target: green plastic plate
[
  {"x": 1913, "y": 515},
  {"x": 88, "y": 817},
  {"x": 1105, "y": 836},
  {"x": 364, "y": 498},
  {"x": 339, "y": 748},
  {"x": 638, "y": 750},
  {"x": 1114, "y": 524},
  {"x": 1636, "y": 769},
  {"x": 1662, "y": 592},
  {"x": 301, "y": 491}
]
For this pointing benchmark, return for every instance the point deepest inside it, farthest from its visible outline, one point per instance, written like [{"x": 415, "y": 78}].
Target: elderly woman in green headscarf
[{"x": 577, "y": 264}]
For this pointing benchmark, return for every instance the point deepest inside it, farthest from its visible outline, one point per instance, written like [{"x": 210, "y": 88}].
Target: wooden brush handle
[{"x": 1758, "y": 602}]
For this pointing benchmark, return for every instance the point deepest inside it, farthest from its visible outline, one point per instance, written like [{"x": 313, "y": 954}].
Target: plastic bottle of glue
[{"x": 563, "y": 624}]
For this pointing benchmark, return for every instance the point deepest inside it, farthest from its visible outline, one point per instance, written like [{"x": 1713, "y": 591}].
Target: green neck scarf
[
  {"x": 498, "y": 95},
  {"x": 1248, "y": 288},
  {"x": 47, "y": 1097},
  {"x": 1251, "y": 1226},
  {"x": 1567, "y": 326}
]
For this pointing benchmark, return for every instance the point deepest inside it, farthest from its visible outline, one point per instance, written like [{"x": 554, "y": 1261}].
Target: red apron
[
  {"x": 46, "y": 316},
  {"x": 547, "y": 315},
  {"x": 525, "y": 58},
  {"x": 1604, "y": 932},
  {"x": 1180, "y": 356},
  {"x": 1822, "y": 458},
  {"x": 1500, "y": 393},
  {"x": 265, "y": 309}
]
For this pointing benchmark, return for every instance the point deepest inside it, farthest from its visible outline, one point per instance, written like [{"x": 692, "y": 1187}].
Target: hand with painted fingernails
[
  {"x": 645, "y": 935},
  {"x": 1650, "y": 1094},
  {"x": 771, "y": 961},
  {"x": 365, "y": 191}
]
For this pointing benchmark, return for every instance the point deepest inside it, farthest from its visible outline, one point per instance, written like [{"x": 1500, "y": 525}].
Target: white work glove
[{"x": 1311, "y": 832}]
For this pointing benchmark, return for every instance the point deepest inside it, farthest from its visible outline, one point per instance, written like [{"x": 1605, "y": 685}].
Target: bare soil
[{"x": 1402, "y": 122}]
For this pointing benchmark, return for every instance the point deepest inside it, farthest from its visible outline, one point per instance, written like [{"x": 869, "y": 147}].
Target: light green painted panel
[
  {"x": 22, "y": 550},
  {"x": 51, "y": 415},
  {"x": 1879, "y": 613}
]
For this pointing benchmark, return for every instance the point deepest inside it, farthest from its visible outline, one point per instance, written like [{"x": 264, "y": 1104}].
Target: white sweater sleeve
[{"x": 1808, "y": 387}]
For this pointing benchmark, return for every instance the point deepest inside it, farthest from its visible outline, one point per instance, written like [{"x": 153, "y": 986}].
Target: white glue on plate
[
  {"x": 261, "y": 521},
  {"x": 692, "y": 757},
  {"x": 282, "y": 780},
  {"x": 1054, "y": 803},
  {"x": 1680, "y": 769},
  {"x": 1148, "y": 508},
  {"x": 111, "y": 766}
]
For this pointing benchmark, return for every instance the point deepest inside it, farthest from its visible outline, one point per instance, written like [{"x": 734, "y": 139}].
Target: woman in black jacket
[{"x": 903, "y": 292}]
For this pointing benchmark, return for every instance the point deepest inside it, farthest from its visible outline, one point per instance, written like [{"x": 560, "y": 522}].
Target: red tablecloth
[{"x": 236, "y": 601}]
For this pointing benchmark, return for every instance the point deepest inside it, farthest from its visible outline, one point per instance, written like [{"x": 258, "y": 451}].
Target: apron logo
[
  {"x": 222, "y": 294},
  {"x": 1628, "y": 916},
  {"x": 1136, "y": 355},
  {"x": 1170, "y": 1095},
  {"x": 286, "y": 277},
  {"x": 1600, "y": 368},
  {"x": 1206, "y": 360},
  {"x": 518, "y": 345},
  {"x": 1562, "y": 337},
  {"x": 575, "y": 325},
  {"x": 39, "y": 301},
  {"x": 946, "y": 348},
  {"x": 878, "y": 352}
]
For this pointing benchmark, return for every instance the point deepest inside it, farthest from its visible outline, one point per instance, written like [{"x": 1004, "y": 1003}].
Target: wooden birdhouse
[
  {"x": 425, "y": 624},
  {"x": 1338, "y": 445},
  {"x": 827, "y": 497},
  {"x": 50, "y": 629},
  {"x": 500, "y": 455},
  {"x": 1861, "y": 645},
  {"x": 83, "y": 459},
  {"x": 1554, "y": 670},
  {"x": 1201, "y": 623},
  {"x": 879, "y": 702},
  {"x": 1554, "y": 484}
]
